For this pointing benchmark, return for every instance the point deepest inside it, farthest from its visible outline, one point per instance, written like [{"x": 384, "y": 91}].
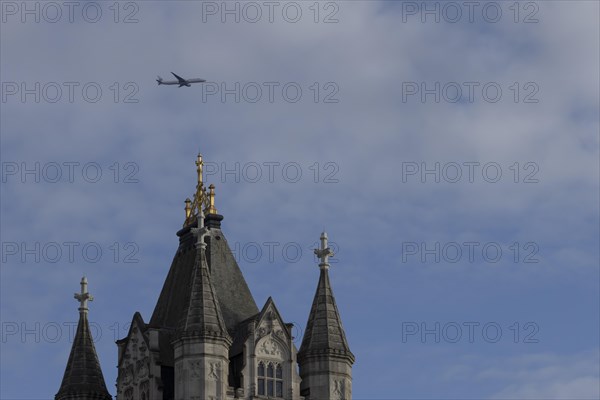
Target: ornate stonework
[
  {"x": 195, "y": 369},
  {"x": 214, "y": 373},
  {"x": 135, "y": 377},
  {"x": 338, "y": 390},
  {"x": 270, "y": 348}
]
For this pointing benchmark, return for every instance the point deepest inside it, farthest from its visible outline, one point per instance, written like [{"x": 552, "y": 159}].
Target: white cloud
[{"x": 548, "y": 376}]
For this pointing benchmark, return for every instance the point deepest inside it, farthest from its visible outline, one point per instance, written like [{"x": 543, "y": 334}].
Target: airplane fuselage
[
  {"x": 173, "y": 83},
  {"x": 180, "y": 81}
]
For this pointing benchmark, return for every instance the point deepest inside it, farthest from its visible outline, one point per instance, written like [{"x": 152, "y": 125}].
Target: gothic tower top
[
  {"x": 201, "y": 200},
  {"x": 83, "y": 379},
  {"x": 232, "y": 292},
  {"x": 324, "y": 331}
]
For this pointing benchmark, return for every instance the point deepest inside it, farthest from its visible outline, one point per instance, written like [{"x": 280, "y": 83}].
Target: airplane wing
[{"x": 180, "y": 79}]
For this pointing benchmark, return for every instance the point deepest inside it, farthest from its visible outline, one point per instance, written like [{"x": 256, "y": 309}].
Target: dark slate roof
[
  {"x": 201, "y": 313},
  {"x": 237, "y": 303},
  {"x": 241, "y": 335},
  {"x": 324, "y": 332},
  {"x": 83, "y": 379},
  {"x": 233, "y": 295}
]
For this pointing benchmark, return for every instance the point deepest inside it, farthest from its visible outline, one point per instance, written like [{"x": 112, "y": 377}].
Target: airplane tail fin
[{"x": 159, "y": 80}]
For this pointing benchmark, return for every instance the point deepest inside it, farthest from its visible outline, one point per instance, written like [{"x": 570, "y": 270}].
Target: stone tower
[
  {"x": 325, "y": 358},
  {"x": 83, "y": 379},
  {"x": 207, "y": 339},
  {"x": 201, "y": 343}
]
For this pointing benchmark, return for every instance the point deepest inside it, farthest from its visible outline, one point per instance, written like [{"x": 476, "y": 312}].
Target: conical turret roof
[
  {"x": 201, "y": 315},
  {"x": 83, "y": 379},
  {"x": 324, "y": 331}
]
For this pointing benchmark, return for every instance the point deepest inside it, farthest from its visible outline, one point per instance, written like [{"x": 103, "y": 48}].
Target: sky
[{"x": 449, "y": 150}]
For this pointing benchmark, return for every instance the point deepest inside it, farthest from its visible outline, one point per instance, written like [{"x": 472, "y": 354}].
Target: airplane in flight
[{"x": 180, "y": 81}]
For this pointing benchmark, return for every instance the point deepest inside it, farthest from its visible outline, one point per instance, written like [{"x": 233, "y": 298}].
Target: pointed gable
[
  {"x": 273, "y": 336},
  {"x": 137, "y": 331},
  {"x": 269, "y": 321},
  {"x": 134, "y": 357},
  {"x": 83, "y": 377}
]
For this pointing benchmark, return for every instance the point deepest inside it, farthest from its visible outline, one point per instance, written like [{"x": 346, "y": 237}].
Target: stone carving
[
  {"x": 195, "y": 369},
  {"x": 214, "y": 371},
  {"x": 127, "y": 374},
  {"x": 142, "y": 367},
  {"x": 269, "y": 347},
  {"x": 262, "y": 331},
  {"x": 270, "y": 324},
  {"x": 337, "y": 391}
]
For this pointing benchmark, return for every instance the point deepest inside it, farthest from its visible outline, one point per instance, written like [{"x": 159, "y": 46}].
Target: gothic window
[
  {"x": 278, "y": 382},
  {"x": 270, "y": 379},
  {"x": 261, "y": 379}
]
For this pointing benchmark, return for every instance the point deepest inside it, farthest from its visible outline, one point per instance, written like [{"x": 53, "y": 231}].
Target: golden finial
[
  {"x": 199, "y": 165},
  {"x": 201, "y": 201},
  {"x": 211, "y": 195},
  {"x": 188, "y": 208}
]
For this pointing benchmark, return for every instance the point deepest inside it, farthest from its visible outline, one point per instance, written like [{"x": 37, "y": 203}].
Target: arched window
[
  {"x": 261, "y": 379},
  {"x": 278, "y": 382},
  {"x": 270, "y": 383}
]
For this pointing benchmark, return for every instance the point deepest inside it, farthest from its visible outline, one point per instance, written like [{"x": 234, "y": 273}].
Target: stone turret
[
  {"x": 201, "y": 344},
  {"x": 325, "y": 358},
  {"x": 83, "y": 379}
]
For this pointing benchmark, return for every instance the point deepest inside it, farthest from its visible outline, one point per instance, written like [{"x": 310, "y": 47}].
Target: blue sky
[{"x": 365, "y": 134}]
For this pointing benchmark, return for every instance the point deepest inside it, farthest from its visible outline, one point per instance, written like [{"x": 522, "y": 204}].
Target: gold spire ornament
[
  {"x": 188, "y": 208},
  {"x": 201, "y": 200},
  {"x": 211, "y": 200},
  {"x": 199, "y": 167}
]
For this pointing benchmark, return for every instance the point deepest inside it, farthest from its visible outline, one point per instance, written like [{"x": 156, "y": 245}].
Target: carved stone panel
[
  {"x": 270, "y": 348},
  {"x": 195, "y": 369},
  {"x": 142, "y": 368},
  {"x": 338, "y": 390},
  {"x": 214, "y": 371}
]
